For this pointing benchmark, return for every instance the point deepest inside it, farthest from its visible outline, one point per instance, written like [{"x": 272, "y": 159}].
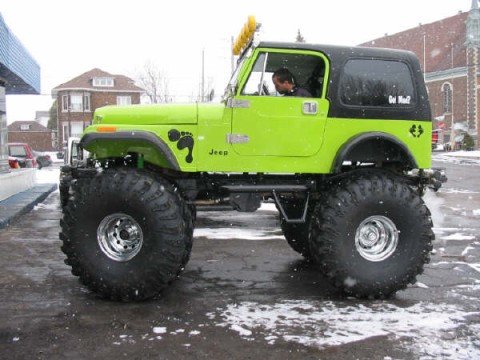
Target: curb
[{"x": 21, "y": 203}]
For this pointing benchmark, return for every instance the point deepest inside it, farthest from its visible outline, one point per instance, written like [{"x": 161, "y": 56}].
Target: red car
[{"x": 23, "y": 154}]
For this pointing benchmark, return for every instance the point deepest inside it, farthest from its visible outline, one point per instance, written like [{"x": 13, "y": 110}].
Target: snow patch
[
  {"x": 268, "y": 207},
  {"x": 467, "y": 249},
  {"x": 237, "y": 233},
  {"x": 421, "y": 285},
  {"x": 241, "y": 330},
  {"x": 159, "y": 330},
  {"x": 476, "y": 212},
  {"x": 52, "y": 206},
  {"x": 459, "y": 157},
  {"x": 447, "y": 190},
  {"x": 47, "y": 176},
  {"x": 434, "y": 203},
  {"x": 349, "y": 282},
  {"x": 458, "y": 236},
  {"x": 323, "y": 325}
]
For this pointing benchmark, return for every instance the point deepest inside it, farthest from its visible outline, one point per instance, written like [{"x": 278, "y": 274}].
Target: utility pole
[
  {"x": 203, "y": 76},
  {"x": 232, "y": 57}
]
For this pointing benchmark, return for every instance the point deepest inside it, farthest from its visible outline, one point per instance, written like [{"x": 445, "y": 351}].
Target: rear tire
[
  {"x": 371, "y": 235},
  {"x": 126, "y": 233}
]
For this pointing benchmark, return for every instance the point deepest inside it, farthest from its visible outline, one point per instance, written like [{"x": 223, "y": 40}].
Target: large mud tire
[
  {"x": 372, "y": 234},
  {"x": 159, "y": 227},
  {"x": 64, "y": 188}
]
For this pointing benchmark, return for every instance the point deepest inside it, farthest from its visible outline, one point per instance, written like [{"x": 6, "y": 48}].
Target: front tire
[
  {"x": 126, "y": 233},
  {"x": 372, "y": 235}
]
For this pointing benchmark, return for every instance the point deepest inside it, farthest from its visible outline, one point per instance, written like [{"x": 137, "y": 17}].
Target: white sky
[{"x": 69, "y": 38}]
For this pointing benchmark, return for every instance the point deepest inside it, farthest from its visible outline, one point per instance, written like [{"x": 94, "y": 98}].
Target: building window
[
  {"x": 76, "y": 103},
  {"x": 64, "y": 103},
  {"x": 65, "y": 132},
  {"x": 124, "y": 100},
  {"x": 103, "y": 81},
  {"x": 77, "y": 128},
  {"x": 447, "y": 97},
  {"x": 86, "y": 102},
  {"x": 25, "y": 127}
]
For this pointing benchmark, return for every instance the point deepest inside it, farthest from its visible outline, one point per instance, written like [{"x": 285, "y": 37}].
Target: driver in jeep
[{"x": 285, "y": 84}]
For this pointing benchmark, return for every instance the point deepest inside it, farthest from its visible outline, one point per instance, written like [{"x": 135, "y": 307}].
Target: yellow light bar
[{"x": 245, "y": 36}]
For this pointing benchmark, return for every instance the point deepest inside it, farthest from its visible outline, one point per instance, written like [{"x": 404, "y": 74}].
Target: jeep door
[{"x": 265, "y": 123}]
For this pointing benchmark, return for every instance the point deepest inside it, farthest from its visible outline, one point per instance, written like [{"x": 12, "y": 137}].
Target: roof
[
  {"x": 438, "y": 40},
  {"x": 34, "y": 126},
  {"x": 17, "y": 67},
  {"x": 84, "y": 82}
]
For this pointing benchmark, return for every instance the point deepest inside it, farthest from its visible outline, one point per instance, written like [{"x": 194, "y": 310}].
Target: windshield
[{"x": 17, "y": 150}]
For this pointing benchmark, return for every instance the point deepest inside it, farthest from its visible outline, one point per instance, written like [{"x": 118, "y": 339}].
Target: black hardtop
[{"x": 339, "y": 55}]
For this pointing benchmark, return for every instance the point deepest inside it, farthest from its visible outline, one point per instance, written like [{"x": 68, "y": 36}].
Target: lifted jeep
[{"x": 346, "y": 167}]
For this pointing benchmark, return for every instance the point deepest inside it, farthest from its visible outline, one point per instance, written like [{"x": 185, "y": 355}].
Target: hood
[{"x": 156, "y": 114}]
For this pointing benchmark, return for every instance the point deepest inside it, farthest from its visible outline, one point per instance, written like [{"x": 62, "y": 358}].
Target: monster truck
[{"x": 346, "y": 167}]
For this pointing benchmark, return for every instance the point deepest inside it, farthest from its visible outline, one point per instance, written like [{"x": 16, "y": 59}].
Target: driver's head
[{"x": 283, "y": 80}]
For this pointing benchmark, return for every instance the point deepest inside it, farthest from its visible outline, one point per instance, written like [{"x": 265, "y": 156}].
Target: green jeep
[{"x": 346, "y": 168}]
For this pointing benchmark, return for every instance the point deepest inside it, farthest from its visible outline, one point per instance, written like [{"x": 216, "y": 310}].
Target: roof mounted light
[{"x": 246, "y": 35}]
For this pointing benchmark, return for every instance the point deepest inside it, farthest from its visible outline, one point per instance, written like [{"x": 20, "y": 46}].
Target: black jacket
[{"x": 300, "y": 92}]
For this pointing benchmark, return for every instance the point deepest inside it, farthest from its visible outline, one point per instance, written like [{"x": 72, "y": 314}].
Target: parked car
[
  {"x": 42, "y": 159},
  {"x": 435, "y": 138},
  {"x": 23, "y": 153}
]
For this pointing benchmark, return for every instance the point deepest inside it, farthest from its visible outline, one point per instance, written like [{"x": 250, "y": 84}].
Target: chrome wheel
[
  {"x": 120, "y": 237},
  {"x": 376, "y": 238}
]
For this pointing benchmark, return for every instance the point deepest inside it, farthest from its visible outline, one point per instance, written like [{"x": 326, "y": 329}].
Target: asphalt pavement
[{"x": 245, "y": 295}]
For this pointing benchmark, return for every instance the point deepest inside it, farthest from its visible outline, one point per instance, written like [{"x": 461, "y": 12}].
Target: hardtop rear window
[{"x": 377, "y": 83}]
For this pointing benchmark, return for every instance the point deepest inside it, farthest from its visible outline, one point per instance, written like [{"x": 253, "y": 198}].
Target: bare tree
[
  {"x": 155, "y": 82},
  {"x": 299, "y": 38}
]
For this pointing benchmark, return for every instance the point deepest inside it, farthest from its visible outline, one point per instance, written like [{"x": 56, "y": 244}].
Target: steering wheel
[{"x": 265, "y": 89}]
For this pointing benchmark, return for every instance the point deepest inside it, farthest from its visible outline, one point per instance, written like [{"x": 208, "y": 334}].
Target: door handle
[{"x": 310, "y": 107}]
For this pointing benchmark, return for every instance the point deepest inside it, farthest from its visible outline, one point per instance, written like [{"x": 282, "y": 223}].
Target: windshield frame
[{"x": 232, "y": 85}]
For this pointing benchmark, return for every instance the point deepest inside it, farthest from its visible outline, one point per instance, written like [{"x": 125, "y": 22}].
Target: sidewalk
[{"x": 21, "y": 203}]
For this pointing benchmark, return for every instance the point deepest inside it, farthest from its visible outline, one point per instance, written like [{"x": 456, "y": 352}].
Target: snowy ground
[
  {"x": 447, "y": 328},
  {"x": 458, "y": 157},
  {"x": 429, "y": 330},
  {"x": 325, "y": 324},
  {"x": 48, "y": 175}
]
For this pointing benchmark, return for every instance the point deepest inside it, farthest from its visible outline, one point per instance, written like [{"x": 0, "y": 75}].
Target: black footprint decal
[{"x": 185, "y": 140}]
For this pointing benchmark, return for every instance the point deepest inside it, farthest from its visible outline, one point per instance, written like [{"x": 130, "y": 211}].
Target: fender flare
[
  {"x": 357, "y": 140},
  {"x": 143, "y": 136}
]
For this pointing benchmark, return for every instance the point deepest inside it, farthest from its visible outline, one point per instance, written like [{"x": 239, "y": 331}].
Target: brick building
[
  {"x": 78, "y": 98},
  {"x": 449, "y": 51},
  {"x": 36, "y": 135}
]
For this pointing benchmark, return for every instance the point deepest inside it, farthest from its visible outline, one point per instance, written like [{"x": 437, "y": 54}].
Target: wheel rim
[
  {"x": 376, "y": 238},
  {"x": 120, "y": 237}
]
